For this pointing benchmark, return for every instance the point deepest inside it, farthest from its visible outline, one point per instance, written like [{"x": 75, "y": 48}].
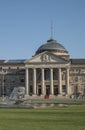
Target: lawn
[{"x": 60, "y": 118}]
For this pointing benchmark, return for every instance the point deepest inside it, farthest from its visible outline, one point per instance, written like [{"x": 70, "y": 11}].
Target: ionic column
[
  {"x": 67, "y": 80},
  {"x": 60, "y": 82},
  {"x": 43, "y": 84},
  {"x": 27, "y": 82},
  {"x": 34, "y": 81},
  {"x": 51, "y": 82}
]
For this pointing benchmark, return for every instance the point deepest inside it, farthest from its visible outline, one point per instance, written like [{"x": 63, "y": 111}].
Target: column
[
  {"x": 67, "y": 81},
  {"x": 43, "y": 84},
  {"x": 51, "y": 82},
  {"x": 60, "y": 82},
  {"x": 27, "y": 81},
  {"x": 34, "y": 81}
]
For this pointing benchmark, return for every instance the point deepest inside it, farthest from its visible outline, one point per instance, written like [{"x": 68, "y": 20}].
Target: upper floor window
[
  {"x": 47, "y": 74},
  {"x": 75, "y": 78},
  {"x": 83, "y": 78},
  {"x": 55, "y": 74}
]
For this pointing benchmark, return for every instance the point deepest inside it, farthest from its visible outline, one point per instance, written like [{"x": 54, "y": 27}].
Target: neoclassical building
[{"x": 50, "y": 72}]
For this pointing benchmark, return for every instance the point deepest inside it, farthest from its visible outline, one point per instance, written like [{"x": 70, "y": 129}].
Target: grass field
[{"x": 60, "y": 118}]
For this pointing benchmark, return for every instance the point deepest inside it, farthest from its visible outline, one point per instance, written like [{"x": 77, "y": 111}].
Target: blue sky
[{"x": 26, "y": 24}]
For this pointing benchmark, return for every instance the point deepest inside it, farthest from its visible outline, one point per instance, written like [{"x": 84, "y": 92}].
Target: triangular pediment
[{"x": 46, "y": 57}]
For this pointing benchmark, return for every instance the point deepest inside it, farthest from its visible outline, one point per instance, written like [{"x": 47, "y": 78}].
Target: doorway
[
  {"x": 39, "y": 90},
  {"x": 48, "y": 90},
  {"x": 56, "y": 91}
]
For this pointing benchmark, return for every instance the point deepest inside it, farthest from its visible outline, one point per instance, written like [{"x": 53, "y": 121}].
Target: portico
[{"x": 44, "y": 85}]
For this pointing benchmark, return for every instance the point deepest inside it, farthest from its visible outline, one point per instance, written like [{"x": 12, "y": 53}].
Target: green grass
[
  {"x": 64, "y": 118},
  {"x": 68, "y": 102}
]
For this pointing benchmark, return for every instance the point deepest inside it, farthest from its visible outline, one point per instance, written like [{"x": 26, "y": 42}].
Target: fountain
[
  {"x": 16, "y": 99},
  {"x": 17, "y": 93}
]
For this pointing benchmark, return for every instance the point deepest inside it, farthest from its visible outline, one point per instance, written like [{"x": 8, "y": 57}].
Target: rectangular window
[
  {"x": 75, "y": 90},
  {"x": 22, "y": 80},
  {"x": 64, "y": 88},
  {"x": 75, "y": 79},
  {"x": 47, "y": 74},
  {"x": 55, "y": 76},
  {"x": 83, "y": 78}
]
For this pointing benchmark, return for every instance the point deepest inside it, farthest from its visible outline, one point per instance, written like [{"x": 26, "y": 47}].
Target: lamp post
[
  {"x": 2, "y": 73},
  {"x": 3, "y": 86}
]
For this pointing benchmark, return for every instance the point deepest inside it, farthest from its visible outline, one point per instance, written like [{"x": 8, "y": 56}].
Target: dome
[{"x": 53, "y": 46}]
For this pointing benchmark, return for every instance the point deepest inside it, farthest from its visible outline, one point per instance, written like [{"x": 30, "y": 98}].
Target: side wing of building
[
  {"x": 77, "y": 77},
  {"x": 12, "y": 74}
]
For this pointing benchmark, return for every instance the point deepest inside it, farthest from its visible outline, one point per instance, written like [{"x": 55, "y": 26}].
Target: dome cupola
[
  {"x": 51, "y": 45},
  {"x": 54, "y": 47}
]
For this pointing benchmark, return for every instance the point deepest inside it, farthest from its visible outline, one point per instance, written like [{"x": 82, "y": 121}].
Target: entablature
[{"x": 47, "y": 66}]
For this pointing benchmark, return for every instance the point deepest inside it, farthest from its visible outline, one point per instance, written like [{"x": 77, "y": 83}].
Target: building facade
[{"x": 49, "y": 72}]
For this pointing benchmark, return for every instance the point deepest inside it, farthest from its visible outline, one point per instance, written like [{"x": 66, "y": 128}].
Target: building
[{"x": 50, "y": 72}]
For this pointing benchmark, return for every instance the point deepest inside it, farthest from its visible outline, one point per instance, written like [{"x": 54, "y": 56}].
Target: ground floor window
[
  {"x": 75, "y": 90},
  {"x": 84, "y": 91},
  {"x": 64, "y": 89}
]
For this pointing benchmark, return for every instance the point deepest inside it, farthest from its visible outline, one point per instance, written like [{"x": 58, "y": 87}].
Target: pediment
[{"x": 46, "y": 57}]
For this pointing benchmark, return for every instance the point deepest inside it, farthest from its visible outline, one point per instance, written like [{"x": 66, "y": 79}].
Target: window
[
  {"x": 55, "y": 74},
  {"x": 83, "y": 78},
  {"x": 22, "y": 80},
  {"x": 75, "y": 78},
  {"x": 39, "y": 74},
  {"x": 75, "y": 90},
  {"x": 47, "y": 74},
  {"x": 64, "y": 88}
]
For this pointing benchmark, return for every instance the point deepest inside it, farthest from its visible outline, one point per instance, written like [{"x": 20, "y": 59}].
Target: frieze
[{"x": 48, "y": 66}]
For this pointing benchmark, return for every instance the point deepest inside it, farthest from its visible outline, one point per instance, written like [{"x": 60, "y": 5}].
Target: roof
[
  {"x": 77, "y": 61},
  {"x": 18, "y": 61},
  {"x": 14, "y": 61},
  {"x": 2, "y": 61},
  {"x": 51, "y": 45}
]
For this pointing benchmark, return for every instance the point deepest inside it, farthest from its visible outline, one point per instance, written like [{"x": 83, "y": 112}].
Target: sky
[{"x": 26, "y": 24}]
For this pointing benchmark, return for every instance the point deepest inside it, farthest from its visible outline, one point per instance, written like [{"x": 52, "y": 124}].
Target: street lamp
[{"x": 2, "y": 73}]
